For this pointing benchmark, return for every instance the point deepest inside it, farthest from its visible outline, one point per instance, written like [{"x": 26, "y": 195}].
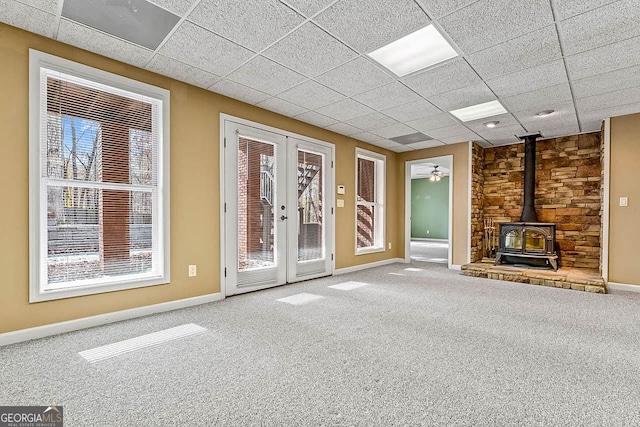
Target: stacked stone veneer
[
  {"x": 568, "y": 193},
  {"x": 477, "y": 202}
]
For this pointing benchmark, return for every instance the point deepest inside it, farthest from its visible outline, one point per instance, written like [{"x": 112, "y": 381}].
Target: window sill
[{"x": 369, "y": 250}]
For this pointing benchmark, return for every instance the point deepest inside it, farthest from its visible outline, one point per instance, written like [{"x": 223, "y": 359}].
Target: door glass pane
[
  {"x": 256, "y": 195},
  {"x": 534, "y": 240},
  {"x": 513, "y": 240},
  {"x": 365, "y": 228},
  {"x": 310, "y": 206}
]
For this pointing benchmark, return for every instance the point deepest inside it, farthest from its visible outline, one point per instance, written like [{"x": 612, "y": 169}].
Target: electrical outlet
[
  {"x": 389, "y": 245},
  {"x": 193, "y": 271},
  {"x": 624, "y": 201}
]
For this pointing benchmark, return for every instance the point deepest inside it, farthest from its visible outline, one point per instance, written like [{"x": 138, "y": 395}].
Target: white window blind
[
  {"x": 369, "y": 201},
  {"x": 101, "y": 174}
]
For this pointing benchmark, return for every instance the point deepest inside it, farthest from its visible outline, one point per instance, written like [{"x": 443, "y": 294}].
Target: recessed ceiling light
[
  {"x": 418, "y": 50},
  {"x": 480, "y": 111},
  {"x": 545, "y": 113},
  {"x": 492, "y": 124}
]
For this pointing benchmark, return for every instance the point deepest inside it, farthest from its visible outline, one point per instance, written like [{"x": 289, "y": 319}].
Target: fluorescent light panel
[
  {"x": 418, "y": 50},
  {"x": 480, "y": 111}
]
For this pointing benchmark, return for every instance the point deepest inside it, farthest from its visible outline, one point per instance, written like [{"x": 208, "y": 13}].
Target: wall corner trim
[
  {"x": 103, "y": 319},
  {"x": 622, "y": 287},
  {"x": 346, "y": 270}
]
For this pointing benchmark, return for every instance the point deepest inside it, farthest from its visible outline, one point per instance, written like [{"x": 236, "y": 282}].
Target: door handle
[{"x": 282, "y": 218}]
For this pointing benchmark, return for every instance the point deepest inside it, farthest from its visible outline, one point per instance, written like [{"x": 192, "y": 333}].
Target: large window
[
  {"x": 98, "y": 181},
  {"x": 370, "y": 194}
]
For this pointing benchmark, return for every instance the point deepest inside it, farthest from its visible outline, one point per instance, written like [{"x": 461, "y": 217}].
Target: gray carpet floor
[
  {"x": 429, "y": 251},
  {"x": 427, "y": 347}
]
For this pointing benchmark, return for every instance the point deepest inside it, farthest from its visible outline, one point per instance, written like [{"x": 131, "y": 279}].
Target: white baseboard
[
  {"x": 102, "y": 319},
  {"x": 622, "y": 287},
  {"x": 455, "y": 267},
  {"x": 368, "y": 265}
]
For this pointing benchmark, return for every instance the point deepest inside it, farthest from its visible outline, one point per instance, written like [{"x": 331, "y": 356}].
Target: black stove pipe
[{"x": 528, "y": 209}]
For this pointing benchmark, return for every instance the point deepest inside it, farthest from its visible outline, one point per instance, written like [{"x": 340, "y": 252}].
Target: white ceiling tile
[
  {"x": 354, "y": 77},
  {"x": 385, "y": 143},
  {"x": 465, "y": 97},
  {"x": 456, "y": 130},
  {"x": 388, "y": 96},
  {"x": 504, "y": 132},
  {"x": 26, "y": 17},
  {"x": 436, "y": 121},
  {"x": 102, "y": 43},
  {"x": 426, "y": 144},
  {"x": 459, "y": 138},
  {"x": 604, "y": 59},
  {"x": 609, "y": 100},
  {"x": 367, "y": 25},
  {"x": 483, "y": 143},
  {"x": 538, "y": 100},
  {"x": 281, "y": 106},
  {"x": 413, "y": 110},
  {"x": 399, "y": 148},
  {"x": 49, "y": 6},
  {"x": 608, "y": 82},
  {"x": 179, "y": 7},
  {"x": 534, "y": 48},
  {"x": 609, "y": 24},
  {"x": 372, "y": 121},
  {"x": 316, "y": 119},
  {"x": 180, "y": 71},
  {"x": 238, "y": 91},
  {"x": 568, "y": 8},
  {"x": 589, "y": 119},
  {"x": 440, "y": 8},
  {"x": 345, "y": 110},
  {"x": 569, "y": 128},
  {"x": 445, "y": 77},
  {"x": 506, "y": 120},
  {"x": 266, "y": 76},
  {"x": 343, "y": 129},
  {"x": 564, "y": 112},
  {"x": 488, "y": 22},
  {"x": 194, "y": 45},
  {"x": 254, "y": 24},
  {"x": 367, "y": 137},
  {"x": 309, "y": 7},
  {"x": 529, "y": 79},
  {"x": 310, "y": 51},
  {"x": 311, "y": 95},
  {"x": 394, "y": 130}
]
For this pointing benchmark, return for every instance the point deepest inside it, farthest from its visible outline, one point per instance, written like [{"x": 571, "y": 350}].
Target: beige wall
[
  {"x": 624, "y": 233},
  {"x": 195, "y": 210},
  {"x": 460, "y": 224}
]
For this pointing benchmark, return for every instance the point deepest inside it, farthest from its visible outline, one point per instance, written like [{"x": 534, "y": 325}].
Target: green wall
[{"x": 430, "y": 208}]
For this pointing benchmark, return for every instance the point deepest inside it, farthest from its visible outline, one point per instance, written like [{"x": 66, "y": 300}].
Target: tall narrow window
[
  {"x": 370, "y": 195},
  {"x": 99, "y": 174}
]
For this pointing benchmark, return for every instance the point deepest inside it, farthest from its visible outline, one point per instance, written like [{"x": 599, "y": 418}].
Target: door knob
[{"x": 282, "y": 218}]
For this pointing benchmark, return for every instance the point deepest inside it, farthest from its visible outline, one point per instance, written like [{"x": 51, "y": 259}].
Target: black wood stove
[{"x": 528, "y": 241}]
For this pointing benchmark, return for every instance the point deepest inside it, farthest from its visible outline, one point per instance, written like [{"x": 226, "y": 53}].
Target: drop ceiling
[{"x": 307, "y": 59}]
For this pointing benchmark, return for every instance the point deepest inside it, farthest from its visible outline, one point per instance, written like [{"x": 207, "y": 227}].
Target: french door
[{"x": 278, "y": 193}]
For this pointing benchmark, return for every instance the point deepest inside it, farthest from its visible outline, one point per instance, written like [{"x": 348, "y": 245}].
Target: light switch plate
[
  {"x": 624, "y": 201},
  {"x": 340, "y": 203},
  {"x": 341, "y": 189}
]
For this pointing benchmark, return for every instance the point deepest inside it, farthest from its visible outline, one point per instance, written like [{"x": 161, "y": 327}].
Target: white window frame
[
  {"x": 380, "y": 186},
  {"x": 160, "y": 273}
]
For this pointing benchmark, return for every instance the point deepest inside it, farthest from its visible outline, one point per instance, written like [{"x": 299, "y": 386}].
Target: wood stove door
[
  {"x": 513, "y": 241},
  {"x": 534, "y": 241}
]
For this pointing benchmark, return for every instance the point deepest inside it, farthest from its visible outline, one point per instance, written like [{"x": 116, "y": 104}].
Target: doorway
[
  {"x": 277, "y": 195},
  {"x": 428, "y": 210}
]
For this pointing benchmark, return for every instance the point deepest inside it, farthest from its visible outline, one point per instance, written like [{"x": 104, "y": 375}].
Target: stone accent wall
[
  {"x": 477, "y": 202},
  {"x": 601, "y": 194},
  {"x": 568, "y": 192}
]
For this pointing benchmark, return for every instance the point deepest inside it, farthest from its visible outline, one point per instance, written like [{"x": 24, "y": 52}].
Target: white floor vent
[{"x": 116, "y": 349}]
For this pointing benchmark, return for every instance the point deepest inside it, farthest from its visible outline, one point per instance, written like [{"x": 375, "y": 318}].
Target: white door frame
[
  {"x": 407, "y": 206},
  {"x": 223, "y": 231}
]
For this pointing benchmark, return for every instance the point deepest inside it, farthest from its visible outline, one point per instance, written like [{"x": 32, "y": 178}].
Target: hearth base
[{"x": 550, "y": 260}]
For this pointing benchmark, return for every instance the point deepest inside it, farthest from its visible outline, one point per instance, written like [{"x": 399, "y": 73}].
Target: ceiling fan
[{"x": 436, "y": 175}]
